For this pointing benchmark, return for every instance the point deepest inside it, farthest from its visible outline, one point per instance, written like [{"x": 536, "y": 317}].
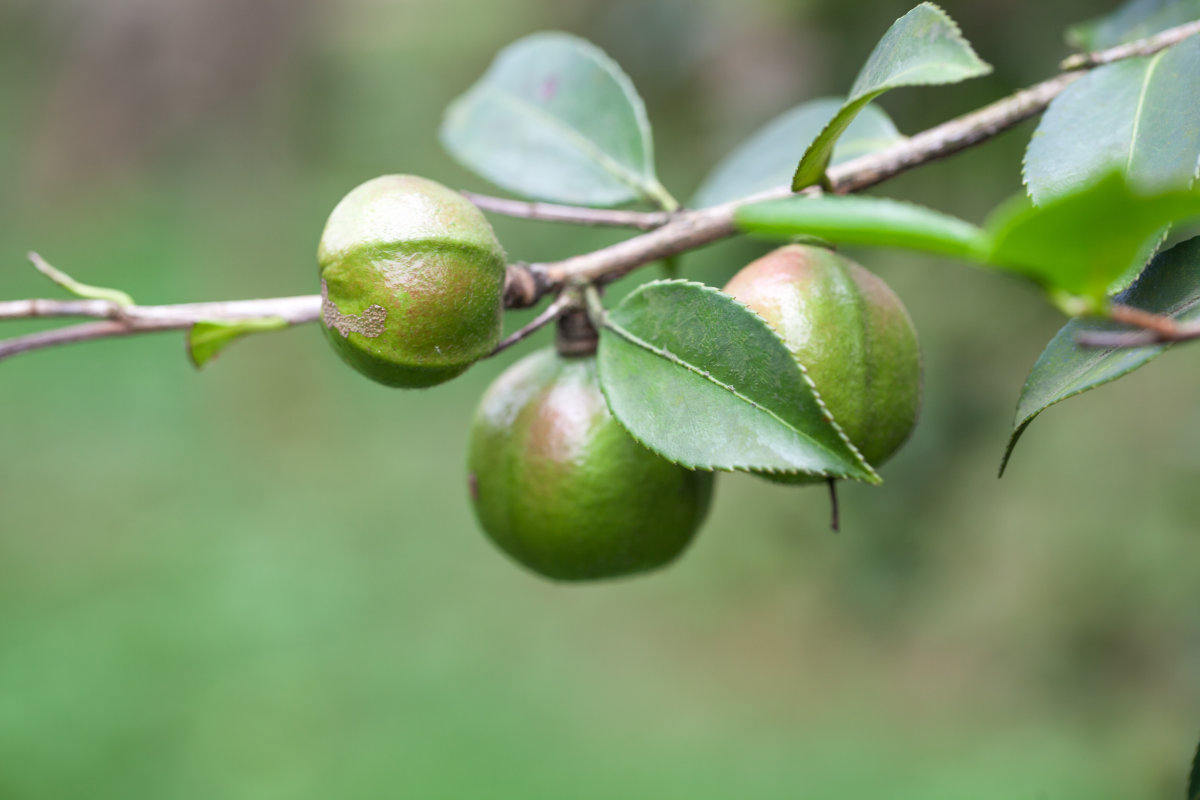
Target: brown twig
[
  {"x": 688, "y": 230},
  {"x": 1156, "y": 329},
  {"x": 128, "y": 320},
  {"x": 1143, "y": 47},
  {"x": 1163, "y": 326},
  {"x": 551, "y": 212},
  {"x": 543, "y": 319},
  {"x": 680, "y": 232}
]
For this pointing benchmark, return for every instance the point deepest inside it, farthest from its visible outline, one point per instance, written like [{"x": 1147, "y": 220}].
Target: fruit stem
[
  {"x": 548, "y": 315},
  {"x": 835, "y": 521},
  {"x": 576, "y": 337}
]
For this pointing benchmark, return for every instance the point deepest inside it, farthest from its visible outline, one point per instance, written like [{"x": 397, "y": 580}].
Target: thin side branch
[
  {"x": 551, "y": 212},
  {"x": 691, "y": 229},
  {"x": 1142, "y": 47},
  {"x": 668, "y": 233},
  {"x": 548, "y": 315},
  {"x": 1120, "y": 341},
  {"x": 295, "y": 310},
  {"x": 128, "y": 320},
  {"x": 1155, "y": 323},
  {"x": 1155, "y": 329}
]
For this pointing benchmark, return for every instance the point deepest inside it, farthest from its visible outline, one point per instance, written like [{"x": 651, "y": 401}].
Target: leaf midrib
[
  {"x": 669, "y": 356},
  {"x": 1151, "y": 66},
  {"x": 1174, "y": 311},
  {"x": 583, "y": 144}
]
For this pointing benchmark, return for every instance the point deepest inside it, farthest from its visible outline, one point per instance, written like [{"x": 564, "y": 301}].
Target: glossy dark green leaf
[
  {"x": 922, "y": 48},
  {"x": 767, "y": 159},
  {"x": 206, "y": 340},
  {"x": 556, "y": 119},
  {"x": 703, "y": 381},
  {"x": 873, "y": 221},
  {"x": 1193, "y": 791},
  {"x": 1170, "y": 285},
  {"x": 1139, "y": 115},
  {"x": 1135, "y": 19},
  {"x": 1081, "y": 243}
]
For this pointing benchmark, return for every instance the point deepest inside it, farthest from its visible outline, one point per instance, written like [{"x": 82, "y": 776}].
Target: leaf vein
[
  {"x": 584, "y": 145},
  {"x": 669, "y": 356}
]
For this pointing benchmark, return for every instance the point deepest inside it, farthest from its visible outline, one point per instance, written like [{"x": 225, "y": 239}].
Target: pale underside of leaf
[
  {"x": 637, "y": 182},
  {"x": 554, "y": 118}
]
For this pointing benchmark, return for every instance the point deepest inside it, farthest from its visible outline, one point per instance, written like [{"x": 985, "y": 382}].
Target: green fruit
[
  {"x": 412, "y": 281},
  {"x": 852, "y": 335},
  {"x": 562, "y": 488}
]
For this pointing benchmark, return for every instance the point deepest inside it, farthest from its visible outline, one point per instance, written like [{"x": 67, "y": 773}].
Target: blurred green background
[{"x": 263, "y": 580}]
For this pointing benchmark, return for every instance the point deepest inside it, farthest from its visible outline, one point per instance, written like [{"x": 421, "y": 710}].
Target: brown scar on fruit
[{"x": 369, "y": 323}]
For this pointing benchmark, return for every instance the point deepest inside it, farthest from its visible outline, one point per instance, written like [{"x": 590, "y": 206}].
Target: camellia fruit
[
  {"x": 561, "y": 487},
  {"x": 852, "y": 335},
  {"x": 412, "y": 281}
]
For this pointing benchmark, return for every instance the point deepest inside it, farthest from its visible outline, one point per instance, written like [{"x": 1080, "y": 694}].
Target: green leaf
[
  {"x": 1137, "y": 115},
  {"x": 1082, "y": 242},
  {"x": 554, "y": 118},
  {"x": 873, "y": 221},
  {"x": 206, "y": 340},
  {"x": 1137, "y": 19},
  {"x": 1170, "y": 285},
  {"x": 922, "y": 48},
  {"x": 1079, "y": 244},
  {"x": 705, "y": 382},
  {"x": 76, "y": 288},
  {"x": 766, "y": 159},
  {"x": 1194, "y": 781}
]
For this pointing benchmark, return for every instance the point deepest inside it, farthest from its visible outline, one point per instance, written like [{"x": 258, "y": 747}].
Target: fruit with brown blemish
[
  {"x": 412, "y": 281},
  {"x": 852, "y": 335},
  {"x": 561, "y": 487}
]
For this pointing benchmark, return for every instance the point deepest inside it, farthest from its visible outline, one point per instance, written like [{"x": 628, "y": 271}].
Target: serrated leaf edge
[
  {"x": 645, "y": 185},
  {"x": 853, "y": 98},
  {"x": 1021, "y": 423},
  {"x": 873, "y": 476},
  {"x": 1156, "y": 57}
]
